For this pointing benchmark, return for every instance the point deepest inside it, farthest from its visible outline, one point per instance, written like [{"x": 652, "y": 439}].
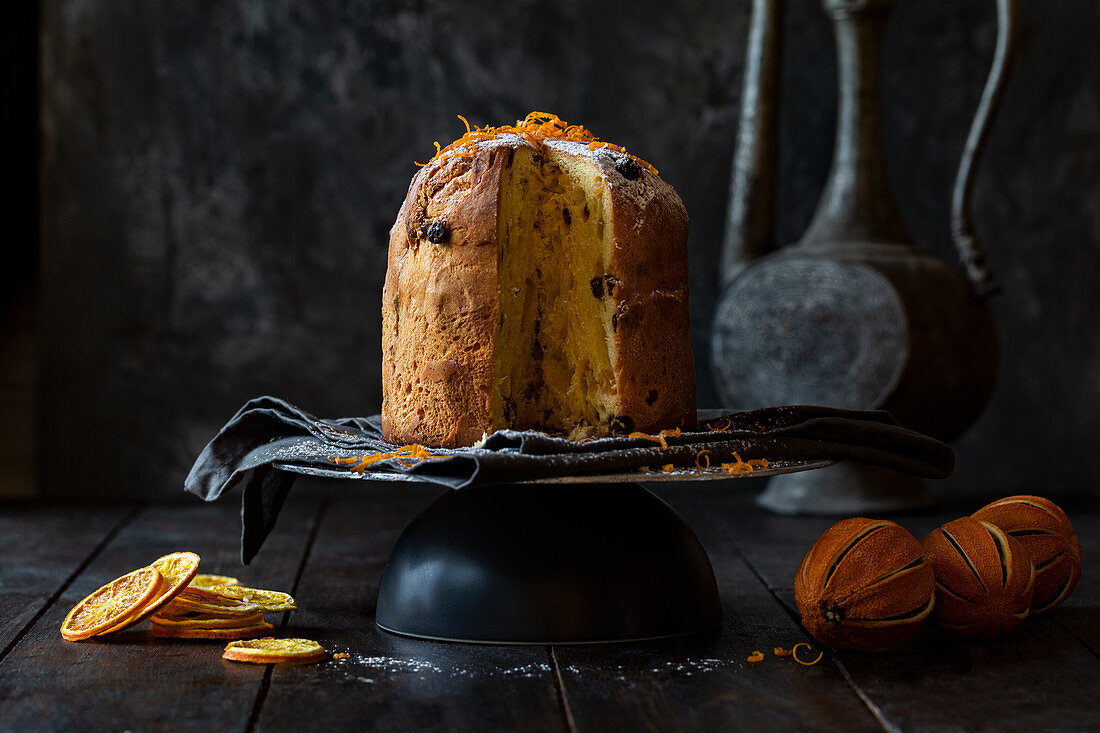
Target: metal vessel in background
[{"x": 854, "y": 314}]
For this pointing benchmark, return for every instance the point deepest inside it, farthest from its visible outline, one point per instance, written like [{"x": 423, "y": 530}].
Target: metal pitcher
[{"x": 854, "y": 314}]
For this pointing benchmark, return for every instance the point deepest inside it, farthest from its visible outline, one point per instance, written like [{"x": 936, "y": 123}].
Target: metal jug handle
[{"x": 962, "y": 230}]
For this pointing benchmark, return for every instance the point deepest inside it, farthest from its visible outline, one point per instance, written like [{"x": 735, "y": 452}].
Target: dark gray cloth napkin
[{"x": 269, "y": 432}]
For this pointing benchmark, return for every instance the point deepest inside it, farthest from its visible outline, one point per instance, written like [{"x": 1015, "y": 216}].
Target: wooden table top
[{"x": 329, "y": 549}]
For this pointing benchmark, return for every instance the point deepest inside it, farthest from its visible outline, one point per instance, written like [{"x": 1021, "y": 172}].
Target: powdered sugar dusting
[
  {"x": 504, "y": 139},
  {"x": 669, "y": 669},
  {"x": 605, "y": 157},
  {"x": 370, "y": 669}
]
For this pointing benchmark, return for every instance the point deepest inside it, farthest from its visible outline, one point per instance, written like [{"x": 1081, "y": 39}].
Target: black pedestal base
[{"x": 548, "y": 564}]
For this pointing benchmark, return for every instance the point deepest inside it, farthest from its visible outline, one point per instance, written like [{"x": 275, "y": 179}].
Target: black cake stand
[{"x": 565, "y": 560}]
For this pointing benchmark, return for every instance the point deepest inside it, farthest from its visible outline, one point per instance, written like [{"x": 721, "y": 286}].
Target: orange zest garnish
[
  {"x": 735, "y": 468},
  {"x": 794, "y": 653},
  {"x": 414, "y": 453},
  {"x": 659, "y": 437},
  {"x": 536, "y": 128},
  {"x": 667, "y": 468},
  {"x": 781, "y": 652},
  {"x": 647, "y": 436},
  {"x": 724, "y": 427},
  {"x": 703, "y": 454},
  {"x": 738, "y": 466},
  {"x": 756, "y": 657}
]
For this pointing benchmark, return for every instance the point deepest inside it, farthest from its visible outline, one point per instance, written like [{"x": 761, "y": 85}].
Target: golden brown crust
[
  {"x": 655, "y": 367},
  {"x": 440, "y": 305}
]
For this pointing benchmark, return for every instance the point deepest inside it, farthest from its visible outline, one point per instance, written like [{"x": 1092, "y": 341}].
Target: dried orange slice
[
  {"x": 271, "y": 601},
  {"x": 245, "y": 632},
  {"x": 111, "y": 605},
  {"x": 208, "y": 621},
  {"x": 177, "y": 569},
  {"x": 205, "y": 580},
  {"x": 271, "y": 651},
  {"x": 194, "y": 591},
  {"x": 215, "y": 605}
]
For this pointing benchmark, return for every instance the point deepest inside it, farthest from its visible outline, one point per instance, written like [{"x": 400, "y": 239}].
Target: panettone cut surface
[{"x": 554, "y": 352}]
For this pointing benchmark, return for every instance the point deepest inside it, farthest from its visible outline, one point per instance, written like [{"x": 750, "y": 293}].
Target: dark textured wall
[{"x": 218, "y": 181}]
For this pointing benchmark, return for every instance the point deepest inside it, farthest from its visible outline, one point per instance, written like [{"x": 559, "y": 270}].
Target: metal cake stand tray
[{"x": 645, "y": 477}]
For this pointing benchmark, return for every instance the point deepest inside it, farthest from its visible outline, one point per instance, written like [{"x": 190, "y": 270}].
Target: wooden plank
[
  {"x": 131, "y": 680},
  {"x": 1040, "y": 677},
  {"x": 704, "y": 682},
  {"x": 43, "y": 547},
  {"x": 391, "y": 682}
]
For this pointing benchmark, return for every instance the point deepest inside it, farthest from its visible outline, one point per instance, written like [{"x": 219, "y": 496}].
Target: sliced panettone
[{"x": 537, "y": 280}]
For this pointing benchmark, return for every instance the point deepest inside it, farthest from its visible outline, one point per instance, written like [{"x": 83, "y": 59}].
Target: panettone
[{"x": 537, "y": 279}]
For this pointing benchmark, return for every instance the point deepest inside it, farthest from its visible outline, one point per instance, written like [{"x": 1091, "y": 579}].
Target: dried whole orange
[
  {"x": 111, "y": 605},
  {"x": 864, "y": 585},
  {"x": 1045, "y": 531},
  {"x": 984, "y": 579}
]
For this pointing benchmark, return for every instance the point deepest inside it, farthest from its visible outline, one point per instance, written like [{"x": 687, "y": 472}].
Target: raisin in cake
[{"x": 537, "y": 279}]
